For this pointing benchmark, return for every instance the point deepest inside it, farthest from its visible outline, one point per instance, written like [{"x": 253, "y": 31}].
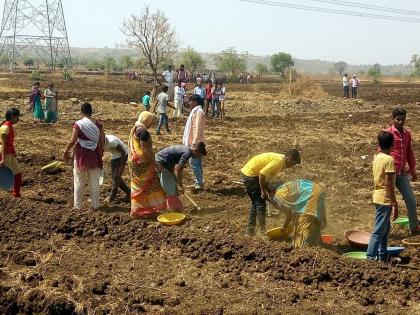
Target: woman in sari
[
  {"x": 35, "y": 103},
  {"x": 147, "y": 196},
  {"x": 51, "y": 112},
  {"x": 303, "y": 202}
]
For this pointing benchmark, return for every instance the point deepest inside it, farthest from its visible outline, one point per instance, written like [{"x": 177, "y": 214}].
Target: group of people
[
  {"x": 89, "y": 142},
  {"x": 47, "y": 113},
  {"x": 354, "y": 82},
  {"x": 209, "y": 97},
  {"x": 302, "y": 200}
]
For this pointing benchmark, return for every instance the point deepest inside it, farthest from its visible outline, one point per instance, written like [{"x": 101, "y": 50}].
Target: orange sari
[{"x": 147, "y": 196}]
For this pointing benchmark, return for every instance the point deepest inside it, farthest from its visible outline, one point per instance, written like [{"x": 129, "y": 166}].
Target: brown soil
[{"x": 58, "y": 261}]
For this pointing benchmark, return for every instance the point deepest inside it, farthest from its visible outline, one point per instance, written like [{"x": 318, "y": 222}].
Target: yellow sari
[{"x": 147, "y": 196}]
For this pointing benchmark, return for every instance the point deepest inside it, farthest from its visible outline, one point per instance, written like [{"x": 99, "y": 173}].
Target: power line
[
  {"x": 334, "y": 11},
  {"x": 369, "y": 7}
]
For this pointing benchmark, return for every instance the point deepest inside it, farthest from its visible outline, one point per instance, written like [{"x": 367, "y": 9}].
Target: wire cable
[
  {"x": 369, "y": 7},
  {"x": 334, "y": 11}
]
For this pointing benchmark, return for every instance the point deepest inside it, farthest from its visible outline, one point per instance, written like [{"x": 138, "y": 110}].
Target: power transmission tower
[{"x": 35, "y": 28}]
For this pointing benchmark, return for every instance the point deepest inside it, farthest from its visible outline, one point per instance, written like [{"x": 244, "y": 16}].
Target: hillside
[{"x": 310, "y": 66}]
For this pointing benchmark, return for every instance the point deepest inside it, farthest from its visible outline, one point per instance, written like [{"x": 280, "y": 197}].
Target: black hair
[
  {"x": 12, "y": 112},
  {"x": 399, "y": 111},
  {"x": 37, "y": 83},
  {"x": 346, "y": 74},
  {"x": 385, "y": 140},
  {"x": 165, "y": 88},
  {"x": 179, "y": 82},
  {"x": 295, "y": 155},
  {"x": 201, "y": 146},
  {"x": 146, "y": 92},
  {"x": 86, "y": 109}
]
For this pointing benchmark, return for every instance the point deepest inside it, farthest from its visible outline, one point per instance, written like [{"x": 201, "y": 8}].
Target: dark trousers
[
  {"x": 346, "y": 91},
  {"x": 258, "y": 207},
  {"x": 354, "y": 92},
  {"x": 117, "y": 169}
]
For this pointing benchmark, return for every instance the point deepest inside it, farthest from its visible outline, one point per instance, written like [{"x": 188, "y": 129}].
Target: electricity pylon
[{"x": 37, "y": 29}]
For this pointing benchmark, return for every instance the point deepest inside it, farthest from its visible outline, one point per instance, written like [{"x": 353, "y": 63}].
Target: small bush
[{"x": 36, "y": 76}]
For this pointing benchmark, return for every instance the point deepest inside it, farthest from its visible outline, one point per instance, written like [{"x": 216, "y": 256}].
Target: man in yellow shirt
[
  {"x": 383, "y": 197},
  {"x": 256, "y": 175}
]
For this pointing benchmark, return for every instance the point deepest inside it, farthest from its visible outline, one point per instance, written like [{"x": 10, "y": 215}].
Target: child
[
  {"x": 403, "y": 154},
  {"x": 160, "y": 108},
  {"x": 7, "y": 149},
  {"x": 256, "y": 175},
  {"x": 383, "y": 197},
  {"x": 146, "y": 100}
]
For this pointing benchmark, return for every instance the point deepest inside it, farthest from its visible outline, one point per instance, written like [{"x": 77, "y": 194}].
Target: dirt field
[{"x": 58, "y": 261}]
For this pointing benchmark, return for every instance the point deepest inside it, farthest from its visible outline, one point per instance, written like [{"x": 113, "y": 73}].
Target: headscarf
[{"x": 145, "y": 119}]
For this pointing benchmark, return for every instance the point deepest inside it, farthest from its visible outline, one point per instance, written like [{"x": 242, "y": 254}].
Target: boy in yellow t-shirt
[
  {"x": 383, "y": 197},
  {"x": 256, "y": 175}
]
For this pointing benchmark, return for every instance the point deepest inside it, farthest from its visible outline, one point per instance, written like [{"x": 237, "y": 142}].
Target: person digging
[
  {"x": 303, "y": 203},
  {"x": 174, "y": 159},
  {"x": 256, "y": 176}
]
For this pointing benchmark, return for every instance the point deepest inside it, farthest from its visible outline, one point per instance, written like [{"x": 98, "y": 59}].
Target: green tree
[
  {"x": 415, "y": 61},
  {"x": 126, "y": 62},
  {"x": 192, "y": 60},
  {"x": 261, "y": 68},
  {"x": 231, "y": 62},
  {"x": 280, "y": 62},
  {"x": 340, "y": 67},
  {"x": 4, "y": 60},
  {"x": 152, "y": 34},
  {"x": 109, "y": 63},
  {"x": 375, "y": 72},
  {"x": 29, "y": 62}
]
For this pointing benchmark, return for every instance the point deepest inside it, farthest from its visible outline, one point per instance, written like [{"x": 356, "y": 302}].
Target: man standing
[
  {"x": 168, "y": 78},
  {"x": 193, "y": 134},
  {"x": 182, "y": 74},
  {"x": 200, "y": 90},
  {"x": 403, "y": 154},
  {"x": 118, "y": 160},
  {"x": 346, "y": 86},
  {"x": 354, "y": 86}
]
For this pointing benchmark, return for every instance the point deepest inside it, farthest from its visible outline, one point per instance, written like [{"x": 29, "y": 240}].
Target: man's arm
[
  {"x": 390, "y": 190},
  {"x": 262, "y": 182},
  {"x": 199, "y": 125},
  {"x": 70, "y": 144},
  {"x": 411, "y": 160},
  {"x": 3, "y": 147}
]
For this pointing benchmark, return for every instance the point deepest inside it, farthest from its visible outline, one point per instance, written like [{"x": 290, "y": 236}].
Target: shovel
[{"x": 192, "y": 201}]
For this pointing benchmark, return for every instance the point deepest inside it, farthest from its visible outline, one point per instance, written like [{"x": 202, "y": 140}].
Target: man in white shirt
[
  {"x": 179, "y": 93},
  {"x": 168, "y": 78},
  {"x": 119, "y": 158},
  {"x": 346, "y": 86},
  {"x": 201, "y": 91}
]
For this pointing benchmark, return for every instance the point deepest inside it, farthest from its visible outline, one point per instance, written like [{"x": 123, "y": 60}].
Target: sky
[{"x": 261, "y": 30}]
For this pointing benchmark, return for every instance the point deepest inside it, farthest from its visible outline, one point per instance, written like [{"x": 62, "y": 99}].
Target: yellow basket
[
  {"x": 278, "y": 233},
  {"x": 52, "y": 167},
  {"x": 171, "y": 218}
]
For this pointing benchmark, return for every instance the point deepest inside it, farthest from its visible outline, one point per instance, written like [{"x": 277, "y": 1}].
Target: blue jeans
[
  {"x": 163, "y": 121},
  {"x": 215, "y": 108},
  {"x": 197, "y": 168},
  {"x": 404, "y": 186},
  {"x": 377, "y": 248}
]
